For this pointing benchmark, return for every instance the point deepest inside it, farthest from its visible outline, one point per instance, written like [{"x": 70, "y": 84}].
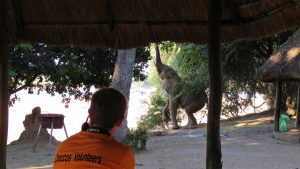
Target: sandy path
[
  {"x": 243, "y": 152},
  {"x": 21, "y": 156}
]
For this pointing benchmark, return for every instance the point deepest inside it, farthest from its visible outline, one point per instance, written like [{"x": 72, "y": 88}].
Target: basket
[{"x": 56, "y": 119}]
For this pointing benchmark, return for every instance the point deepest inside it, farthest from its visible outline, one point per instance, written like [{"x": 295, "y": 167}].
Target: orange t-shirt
[{"x": 93, "y": 150}]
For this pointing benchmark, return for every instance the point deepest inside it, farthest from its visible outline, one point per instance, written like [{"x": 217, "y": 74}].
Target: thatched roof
[
  {"x": 131, "y": 23},
  {"x": 284, "y": 63}
]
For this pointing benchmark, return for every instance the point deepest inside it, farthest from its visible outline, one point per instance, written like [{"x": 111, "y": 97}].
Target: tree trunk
[
  {"x": 213, "y": 147},
  {"x": 122, "y": 79},
  {"x": 3, "y": 84}
]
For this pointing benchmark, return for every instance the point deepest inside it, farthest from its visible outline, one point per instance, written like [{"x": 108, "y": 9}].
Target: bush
[
  {"x": 153, "y": 118},
  {"x": 137, "y": 139}
]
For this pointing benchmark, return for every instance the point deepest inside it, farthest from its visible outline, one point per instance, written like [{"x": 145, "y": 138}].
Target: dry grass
[{"x": 134, "y": 23}]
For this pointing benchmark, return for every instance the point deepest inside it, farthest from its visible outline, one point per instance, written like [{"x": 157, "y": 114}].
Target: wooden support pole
[
  {"x": 213, "y": 141},
  {"x": 298, "y": 108},
  {"x": 3, "y": 84},
  {"x": 278, "y": 105}
]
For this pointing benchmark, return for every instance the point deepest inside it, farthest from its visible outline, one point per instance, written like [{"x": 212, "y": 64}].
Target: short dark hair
[{"x": 108, "y": 105}]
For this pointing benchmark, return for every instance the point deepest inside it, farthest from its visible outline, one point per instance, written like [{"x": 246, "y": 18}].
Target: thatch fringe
[{"x": 132, "y": 23}]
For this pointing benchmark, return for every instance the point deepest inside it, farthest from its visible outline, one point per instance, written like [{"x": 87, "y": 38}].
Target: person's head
[{"x": 107, "y": 108}]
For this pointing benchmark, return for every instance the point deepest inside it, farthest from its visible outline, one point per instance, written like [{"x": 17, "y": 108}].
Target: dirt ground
[{"x": 247, "y": 143}]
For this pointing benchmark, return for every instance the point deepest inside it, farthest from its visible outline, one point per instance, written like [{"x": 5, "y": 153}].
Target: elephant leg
[
  {"x": 190, "y": 110},
  {"x": 192, "y": 122},
  {"x": 173, "y": 105},
  {"x": 166, "y": 113}
]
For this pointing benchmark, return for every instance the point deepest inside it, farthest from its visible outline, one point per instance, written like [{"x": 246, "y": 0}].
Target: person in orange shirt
[{"x": 94, "y": 147}]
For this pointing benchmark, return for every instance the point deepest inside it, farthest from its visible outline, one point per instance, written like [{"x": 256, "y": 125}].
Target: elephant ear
[{"x": 170, "y": 85}]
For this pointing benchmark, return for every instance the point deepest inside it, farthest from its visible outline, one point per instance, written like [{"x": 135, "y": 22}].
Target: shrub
[
  {"x": 153, "y": 118},
  {"x": 137, "y": 138}
]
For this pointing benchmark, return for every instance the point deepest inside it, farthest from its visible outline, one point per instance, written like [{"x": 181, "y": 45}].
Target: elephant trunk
[{"x": 157, "y": 61}]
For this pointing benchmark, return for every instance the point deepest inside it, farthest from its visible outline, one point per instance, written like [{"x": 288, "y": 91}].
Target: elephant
[{"x": 191, "y": 102}]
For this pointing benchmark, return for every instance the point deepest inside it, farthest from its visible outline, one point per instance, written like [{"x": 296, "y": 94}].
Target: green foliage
[
  {"x": 137, "y": 138},
  {"x": 141, "y": 63},
  {"x": 191, "y": 62},
  {"x": 28, "y": 64},
  {"x": 240, "y": 61},
  {"x": 233, "y": 101},
  {"x": 25, "y": 46},
  {"x": 69, "y": 71},
  {"x": 168, "y": 46},
  {"x": 153, "y": 118}
]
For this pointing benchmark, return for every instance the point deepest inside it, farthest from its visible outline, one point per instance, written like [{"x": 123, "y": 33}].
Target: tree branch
[{"x": 27, "y": 84}]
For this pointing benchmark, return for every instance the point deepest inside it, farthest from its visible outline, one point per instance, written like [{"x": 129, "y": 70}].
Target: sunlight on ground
[
  {"x": 247, "y": 123},
  {"x": 254, "y": 122},
  {"x": 252, "y": 144}
]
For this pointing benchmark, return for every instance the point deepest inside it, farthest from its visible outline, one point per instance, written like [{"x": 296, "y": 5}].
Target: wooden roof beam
[{"x": 17, "y": 10}]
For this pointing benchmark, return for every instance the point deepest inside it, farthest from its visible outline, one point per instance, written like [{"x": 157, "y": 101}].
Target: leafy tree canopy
[
  {"x": 240, "y": 62},
  {"x": 69, "y": 71},
  {"x": 191, "y": 61}
]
